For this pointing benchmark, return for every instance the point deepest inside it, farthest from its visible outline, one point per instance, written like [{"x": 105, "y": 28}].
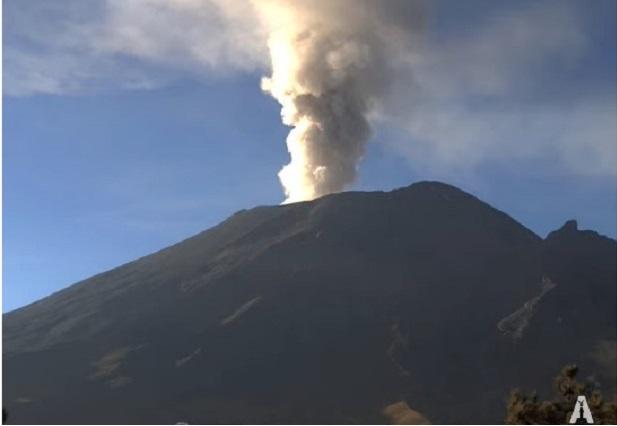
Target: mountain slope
[{"x": 322, "y": 311}]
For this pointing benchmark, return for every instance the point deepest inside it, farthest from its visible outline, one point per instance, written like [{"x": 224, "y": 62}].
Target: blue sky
[{"x": 109, "y": 157}]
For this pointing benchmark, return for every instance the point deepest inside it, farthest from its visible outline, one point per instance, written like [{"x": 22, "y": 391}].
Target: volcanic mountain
[{"x": 325, "y": 311}]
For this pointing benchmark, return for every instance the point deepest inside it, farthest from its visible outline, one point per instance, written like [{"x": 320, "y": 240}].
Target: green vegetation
[{"x": 527, "y": 409}]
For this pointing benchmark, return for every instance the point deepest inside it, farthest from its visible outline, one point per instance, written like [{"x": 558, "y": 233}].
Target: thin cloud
[
  {"x": 461, "y": 99},
  {"x": 481, "y": 96}
]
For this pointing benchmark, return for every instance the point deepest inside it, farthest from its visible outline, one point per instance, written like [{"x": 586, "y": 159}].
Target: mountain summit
[{"x": 325, "y": 311}]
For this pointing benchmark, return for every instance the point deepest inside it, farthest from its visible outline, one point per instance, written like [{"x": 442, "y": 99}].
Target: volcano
[{"x": 325, "y": 311}]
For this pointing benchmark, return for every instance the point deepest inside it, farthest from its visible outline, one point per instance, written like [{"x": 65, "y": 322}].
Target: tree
[{"x": 527, "y": 409}]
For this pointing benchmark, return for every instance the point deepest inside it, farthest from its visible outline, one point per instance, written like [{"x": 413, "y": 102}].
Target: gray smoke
[{"x": 331, "y": 63}]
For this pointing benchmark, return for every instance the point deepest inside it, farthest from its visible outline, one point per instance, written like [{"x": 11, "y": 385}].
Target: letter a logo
[{"x": 581, "y": 413}]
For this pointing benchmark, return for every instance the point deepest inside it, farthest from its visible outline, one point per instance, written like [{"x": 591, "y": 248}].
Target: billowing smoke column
[
  {"x": 331, "y": 62},
  {"x": 330, "y": 65}
]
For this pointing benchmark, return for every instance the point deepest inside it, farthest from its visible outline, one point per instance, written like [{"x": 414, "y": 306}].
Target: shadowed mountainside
[{"x": 326, "y": 311}]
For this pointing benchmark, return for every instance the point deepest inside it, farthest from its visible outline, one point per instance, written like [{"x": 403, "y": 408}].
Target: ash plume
[
  {"x": 456, "y": 97},
  {"x": 331, "y": 63}
]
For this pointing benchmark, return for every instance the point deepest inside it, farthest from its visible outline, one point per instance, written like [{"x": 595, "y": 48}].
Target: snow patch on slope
[
  {"x": 241, "y": 310},
  {"x": 515, "y": 324}
]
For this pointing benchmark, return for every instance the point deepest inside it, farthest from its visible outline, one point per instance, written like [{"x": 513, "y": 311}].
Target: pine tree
[{"x": 527, "y": 409}]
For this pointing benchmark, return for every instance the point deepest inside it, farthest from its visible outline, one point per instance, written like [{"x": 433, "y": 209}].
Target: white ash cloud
[
  {"x": 338, "y": 68},
  {"x": 331, "y": 62}
]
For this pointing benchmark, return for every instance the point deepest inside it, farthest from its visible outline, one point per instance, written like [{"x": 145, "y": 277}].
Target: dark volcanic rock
[{"x": 322, "y": 312}]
